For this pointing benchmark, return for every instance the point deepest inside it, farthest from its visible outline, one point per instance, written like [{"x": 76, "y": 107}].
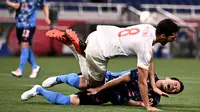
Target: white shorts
[{"x": 96, "y": 62}]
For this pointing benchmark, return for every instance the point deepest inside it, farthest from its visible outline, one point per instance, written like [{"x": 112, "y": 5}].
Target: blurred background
[{"x": 83, "y": 16}]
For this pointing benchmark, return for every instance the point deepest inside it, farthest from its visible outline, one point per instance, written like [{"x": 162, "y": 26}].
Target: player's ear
[{"x": 162, "y": 36}]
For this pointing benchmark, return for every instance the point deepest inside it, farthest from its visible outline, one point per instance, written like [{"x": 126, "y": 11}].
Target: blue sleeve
[
  {"x": 112, "y": 75},
  {"x": 117, "y": 74}
]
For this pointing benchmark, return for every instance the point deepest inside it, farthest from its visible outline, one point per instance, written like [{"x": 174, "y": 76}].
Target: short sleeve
[{"x": 143, "y": 59}]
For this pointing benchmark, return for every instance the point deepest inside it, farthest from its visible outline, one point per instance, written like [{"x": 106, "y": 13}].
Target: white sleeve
[{"x": 143, "y": 59}]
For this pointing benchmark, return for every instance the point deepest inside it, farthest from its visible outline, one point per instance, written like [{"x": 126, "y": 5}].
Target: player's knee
[
  {"x": 73, "y": 80},
  {"x": 24, "y": 44},
  {"x": 74, "y": 100}
]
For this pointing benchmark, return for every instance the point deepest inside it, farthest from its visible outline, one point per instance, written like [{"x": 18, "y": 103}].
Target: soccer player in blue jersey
[
  {"x": 127, "y": 94},
  {"x": 26, "y": 11},
  {"x": 122, "y": 94}
]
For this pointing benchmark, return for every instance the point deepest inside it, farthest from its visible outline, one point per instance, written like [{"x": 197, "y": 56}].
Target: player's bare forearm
[
  {"x": 142, "y": 82},
  {"x": 12, "y": 4},
  {"x": 152, "y": 75},
  {"x": 46, "y": 10},
  {"x": 135, "y": 103},
  {"x": 46, "y": 13}
]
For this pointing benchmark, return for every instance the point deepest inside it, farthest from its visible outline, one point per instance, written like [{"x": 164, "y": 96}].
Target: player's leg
[
  {"x": 53, "y": 97},
  {"x": 62, "y": 37},
  {"x": 78, "y": 44},
  {"x": 72, "y": 79},
  {"x": 96, "y": 62},
  {"x": 73, "y": 49},
  {"x": 85, "y": 99},
  {"x": 58, "y": 35},
  {"x": 68, "y": 37},
  {"x": 24, "y": 51},
  {"x": 31, "y": 58}
]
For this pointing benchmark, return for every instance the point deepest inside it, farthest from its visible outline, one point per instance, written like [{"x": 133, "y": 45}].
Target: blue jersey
[
  {"x": 131, "y": 89},
  {"x": 26, "y": 14}
]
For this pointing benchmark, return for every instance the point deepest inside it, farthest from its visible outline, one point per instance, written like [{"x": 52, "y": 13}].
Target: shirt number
[
  {"x": 25, "y": 34},
  {"x": 125, "y": 32}
]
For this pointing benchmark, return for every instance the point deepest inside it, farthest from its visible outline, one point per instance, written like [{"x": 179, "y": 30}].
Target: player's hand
[
  {"x": 92, "y": 91},
  {"x": 153, "y": 109},
  {"x": 150, "y": 102},
  {"x": 48, "y": 21},
  {"x": 160, "y": 92},
  {"x": 142, "y": 104}
]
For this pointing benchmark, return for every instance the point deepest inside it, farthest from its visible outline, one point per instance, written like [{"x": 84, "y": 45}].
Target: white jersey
[{"x": 132, "y": 40}]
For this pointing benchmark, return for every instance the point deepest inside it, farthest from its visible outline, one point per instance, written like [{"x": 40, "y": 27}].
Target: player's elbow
[
  {"x": 125, "y": 78},
  {"x": 16, "y": 6},
  {"x": 13, "y": 5},
  {"x": 142, "y": 82}
]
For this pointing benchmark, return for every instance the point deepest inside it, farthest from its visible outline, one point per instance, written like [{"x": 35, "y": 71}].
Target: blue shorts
[
  {"x": 117, "y": 96},
  {"x": 25, "y": 34}
]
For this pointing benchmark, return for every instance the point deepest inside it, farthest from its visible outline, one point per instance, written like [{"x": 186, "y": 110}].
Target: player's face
[
  {"x": 171, "y": 86},
  {"x": 164, "y": 40},
  {"x": 172, "y": 37}
]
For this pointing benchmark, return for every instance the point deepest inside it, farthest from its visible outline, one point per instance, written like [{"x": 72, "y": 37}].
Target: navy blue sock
[
  {"x": 71, "y": 79},
  {"x": 23, "y": 58},
  {"x": 54, "y": 97},
  {"x": 31, "y": 59}
]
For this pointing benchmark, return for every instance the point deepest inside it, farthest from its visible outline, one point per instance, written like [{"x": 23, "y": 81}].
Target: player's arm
[
  {"x": 122, "y": 79},
  {"x": 12, "y": 4},
  {"x": 138, "y": 103},
  {"x": 152, "y": 77},
  {"x": 135, "y": 103},
  {"x": 152, "y": 71},
  {"x": 142, "y": 82},
  {"x": 46, "y": 13}
]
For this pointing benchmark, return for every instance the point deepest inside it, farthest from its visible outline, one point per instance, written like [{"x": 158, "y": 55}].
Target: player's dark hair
[
  {"x": 181, "y": 85},
  {"x": 166, "y": 27},
  {"x": 80, "y": 73}
]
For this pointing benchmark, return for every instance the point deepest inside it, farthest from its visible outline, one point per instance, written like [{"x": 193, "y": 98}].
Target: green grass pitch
[{"x": 188, "y": 70}]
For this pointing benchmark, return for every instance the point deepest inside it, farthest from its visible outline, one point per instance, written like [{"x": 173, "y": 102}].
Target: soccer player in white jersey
[{"x": 111, "y": 41}]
